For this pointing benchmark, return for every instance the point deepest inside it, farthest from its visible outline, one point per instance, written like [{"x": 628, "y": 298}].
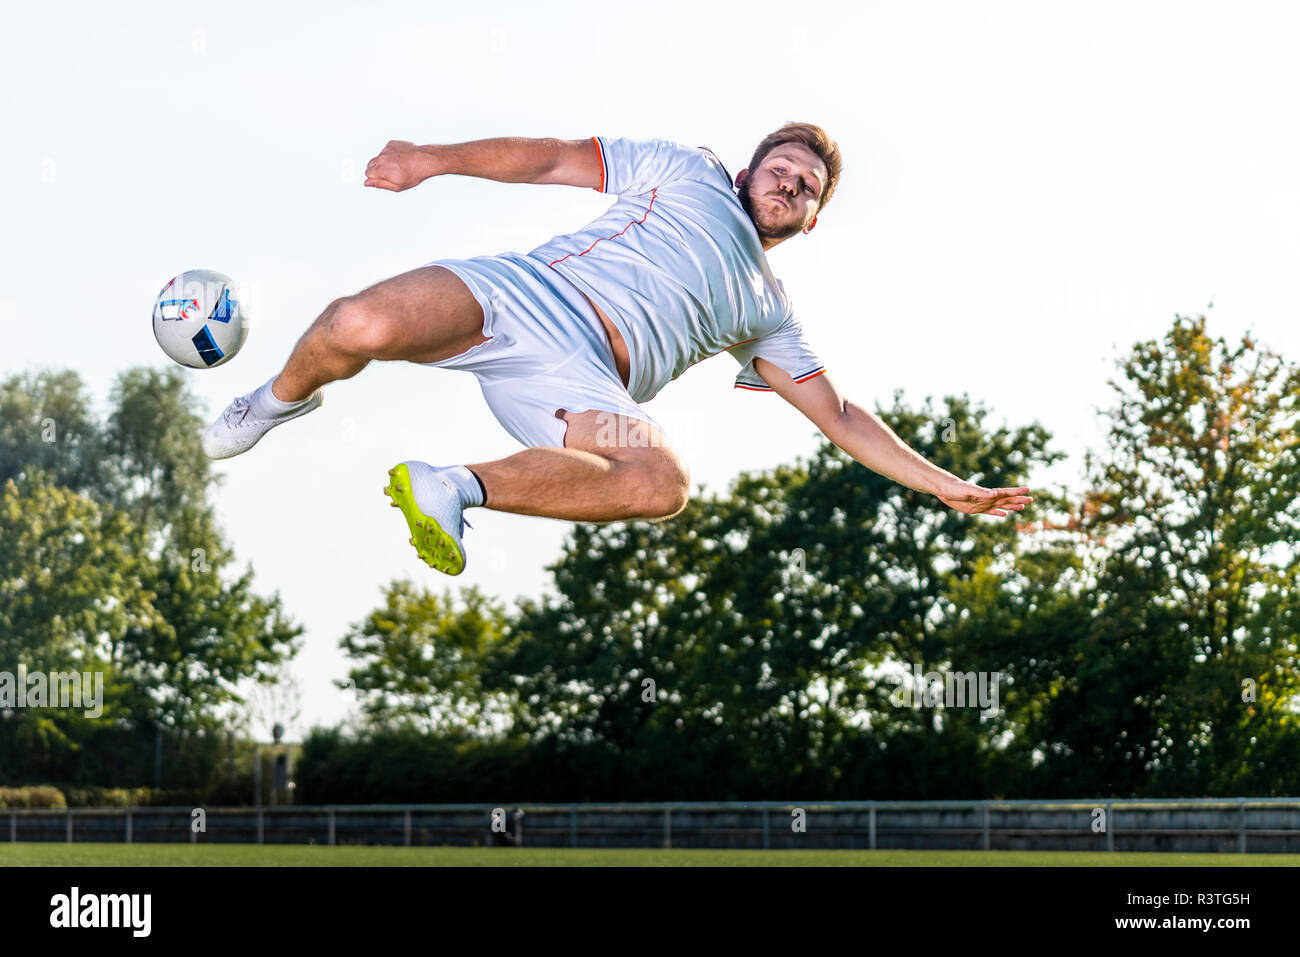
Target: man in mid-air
[{"x": 567, "y": 340}]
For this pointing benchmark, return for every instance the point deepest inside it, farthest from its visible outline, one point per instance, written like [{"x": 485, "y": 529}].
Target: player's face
[{"x": 781, "y": 196}]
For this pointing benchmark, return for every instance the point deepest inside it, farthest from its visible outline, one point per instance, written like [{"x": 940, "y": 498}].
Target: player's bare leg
[
  {"x": 590, "y": 479},
  {"x": 425, "y": 315}
]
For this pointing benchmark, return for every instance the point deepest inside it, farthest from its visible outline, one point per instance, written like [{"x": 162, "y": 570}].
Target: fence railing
[{"x": 1211, "y": 824}]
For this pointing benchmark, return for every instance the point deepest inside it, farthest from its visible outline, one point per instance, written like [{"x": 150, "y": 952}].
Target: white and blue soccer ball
[{"x": 200, "y": 319}]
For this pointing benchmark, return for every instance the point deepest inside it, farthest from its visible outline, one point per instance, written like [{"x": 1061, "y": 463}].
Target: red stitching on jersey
[
  {"x": 709, "y": 356},
  {"x": 811, "y": 376},
  {"x": 635, "y": 222}
]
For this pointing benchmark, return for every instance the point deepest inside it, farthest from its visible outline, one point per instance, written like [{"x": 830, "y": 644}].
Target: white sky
[{"x": 1029, "y": 188}]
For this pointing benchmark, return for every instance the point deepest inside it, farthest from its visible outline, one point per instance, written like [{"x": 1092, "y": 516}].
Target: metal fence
[{"x": 1221, "y": 825}]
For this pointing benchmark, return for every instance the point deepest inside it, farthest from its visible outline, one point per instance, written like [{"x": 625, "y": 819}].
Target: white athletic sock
[
  {"x": 267, "y": 406},
  {"x": 467, "y": 484}
]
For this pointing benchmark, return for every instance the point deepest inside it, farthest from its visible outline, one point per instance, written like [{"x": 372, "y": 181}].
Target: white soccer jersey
[{"x": 678, "y": 267}]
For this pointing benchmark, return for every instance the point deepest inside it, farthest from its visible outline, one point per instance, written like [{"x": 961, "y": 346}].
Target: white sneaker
[
  {"x": 238, "y": 428},
  {"x": 434, "y": 513}
]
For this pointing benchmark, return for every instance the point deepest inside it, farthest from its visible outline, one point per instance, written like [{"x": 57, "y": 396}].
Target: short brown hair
[{"x": 813, "y": 137}]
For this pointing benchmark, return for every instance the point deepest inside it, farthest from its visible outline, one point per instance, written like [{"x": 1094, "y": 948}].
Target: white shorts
[{"x": 547, "y": 352}]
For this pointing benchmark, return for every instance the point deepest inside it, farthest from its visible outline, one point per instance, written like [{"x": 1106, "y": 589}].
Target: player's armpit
[
  {"x": 816, "y": 398},
  {"x": 577, "y": 163}
]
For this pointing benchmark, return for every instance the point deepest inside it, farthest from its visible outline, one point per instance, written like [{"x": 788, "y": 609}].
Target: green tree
[
  {"x": 47, "y": 422},
  {"x": 422, "y": 658},
  {"x": 1139, "y": 682},
  {"x": 155, "y": 466},
  {"x": 1199, "y": 496},
  {"x": 68, "y": 589},
  {"x": 206, "y": 629},
  {"x": 737, "y": 648}
]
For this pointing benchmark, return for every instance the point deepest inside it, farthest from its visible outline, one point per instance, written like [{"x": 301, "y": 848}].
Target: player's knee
[
  {"x": 667, "y": 489},
  {"x": 677, "y": 502},
  {"x": 358, "y": 328}
]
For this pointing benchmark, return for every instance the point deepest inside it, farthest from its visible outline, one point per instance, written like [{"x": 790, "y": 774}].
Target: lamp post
[{"x": 277, "y": 769}]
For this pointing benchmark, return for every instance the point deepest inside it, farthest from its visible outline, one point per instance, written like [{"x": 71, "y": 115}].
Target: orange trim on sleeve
[
  {"x": 768, "y": 388},
  {"x": 600, "y": 155}
]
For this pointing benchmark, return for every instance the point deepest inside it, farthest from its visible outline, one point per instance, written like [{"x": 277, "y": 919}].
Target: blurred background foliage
[
  {"x": 1141, "y": 627},
  {"x": 111, "y": 562}
]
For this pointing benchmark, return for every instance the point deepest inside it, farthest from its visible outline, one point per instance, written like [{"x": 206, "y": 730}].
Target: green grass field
[{"x": 281, "y": 855}]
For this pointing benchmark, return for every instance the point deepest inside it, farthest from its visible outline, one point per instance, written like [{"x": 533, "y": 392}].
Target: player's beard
[{"x": 765, "y": 227}]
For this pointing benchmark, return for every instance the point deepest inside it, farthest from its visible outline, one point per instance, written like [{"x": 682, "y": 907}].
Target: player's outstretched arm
[
  {"x": 874, "y": 444},
  {"x": 506, "y": 159}
]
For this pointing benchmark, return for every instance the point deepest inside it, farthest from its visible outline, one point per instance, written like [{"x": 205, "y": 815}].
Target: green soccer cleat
[{"x": 434, "y": 514}]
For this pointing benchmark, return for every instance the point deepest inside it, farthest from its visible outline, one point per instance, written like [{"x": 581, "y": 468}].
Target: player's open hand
[
  {"x": 975, "y": 500},
  {"x": 400, "y": 165}
]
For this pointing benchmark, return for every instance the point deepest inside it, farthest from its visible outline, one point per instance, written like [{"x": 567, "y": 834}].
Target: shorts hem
[{"x": 484, "y": 300}]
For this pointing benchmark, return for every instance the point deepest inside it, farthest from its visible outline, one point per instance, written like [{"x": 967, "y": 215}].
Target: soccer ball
[{"x": 199, "y": 320}]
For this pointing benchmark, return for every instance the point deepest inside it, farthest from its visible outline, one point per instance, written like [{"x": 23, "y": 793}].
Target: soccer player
[{"x": 567, "y": 340}]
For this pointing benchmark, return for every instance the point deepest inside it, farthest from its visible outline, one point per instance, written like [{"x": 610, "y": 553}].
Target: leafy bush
[
  {"x": 41, "y": 796},
  {"x": 108, "y": 797}
]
